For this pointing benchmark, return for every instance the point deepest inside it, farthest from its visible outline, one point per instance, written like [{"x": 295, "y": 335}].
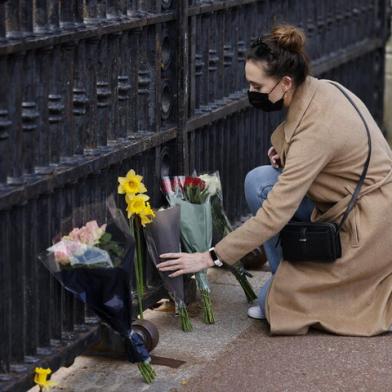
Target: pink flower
[
  {"x": 94, "y": 231},
  {"x": 74, "y": 235},
  {"x": 86, "y": 236},
  {"x": 61, "y": 257},
  {"x": 91, "y": 233}
]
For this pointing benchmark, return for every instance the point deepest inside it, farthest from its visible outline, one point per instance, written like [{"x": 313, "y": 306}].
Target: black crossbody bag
[{"x": 320, "y": 241}]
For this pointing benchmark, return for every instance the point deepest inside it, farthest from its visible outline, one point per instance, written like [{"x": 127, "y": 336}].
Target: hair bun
[{"x": 289, "y": 37}]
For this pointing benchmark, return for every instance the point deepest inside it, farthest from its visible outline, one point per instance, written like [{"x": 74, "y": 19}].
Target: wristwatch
[{"x": 215, "y": 257}]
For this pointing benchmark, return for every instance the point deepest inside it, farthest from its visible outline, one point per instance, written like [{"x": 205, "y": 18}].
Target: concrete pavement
[{"x": 237, "y": 354}]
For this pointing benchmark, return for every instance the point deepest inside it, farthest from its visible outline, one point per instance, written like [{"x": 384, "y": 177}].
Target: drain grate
[{"x": 169, "y": 362}]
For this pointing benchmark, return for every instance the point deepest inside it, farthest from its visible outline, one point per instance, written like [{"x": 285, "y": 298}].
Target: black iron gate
[{"x": 92, "y": 88}]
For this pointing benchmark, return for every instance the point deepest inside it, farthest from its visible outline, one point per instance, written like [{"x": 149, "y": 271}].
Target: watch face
[
  {"x": 215, "y": 258},
  {"x": 218, "y": 263}
]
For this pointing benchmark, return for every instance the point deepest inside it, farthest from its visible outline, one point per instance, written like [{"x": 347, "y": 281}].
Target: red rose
[{"x": 188, "y": 181}]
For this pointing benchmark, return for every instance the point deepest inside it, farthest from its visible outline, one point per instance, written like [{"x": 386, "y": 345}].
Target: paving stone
[{"x": 237, "y": 354}]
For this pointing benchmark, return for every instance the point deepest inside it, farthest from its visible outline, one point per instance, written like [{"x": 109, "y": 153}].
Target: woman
[{"x": 317, "y": 156}]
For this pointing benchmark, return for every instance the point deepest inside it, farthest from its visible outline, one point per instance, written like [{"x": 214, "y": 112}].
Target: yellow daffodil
[
  {"x": 135, "y": 203},
  {"x": 131, "y": 184},
  {"x": 145, "y": 220},
  {"x": 146, "y": 215},
  {"x": 41, "y": 376},
  {"x": 148, "y": 210}
]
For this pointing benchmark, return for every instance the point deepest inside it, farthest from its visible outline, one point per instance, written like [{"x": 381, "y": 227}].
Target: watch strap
[{"x": 215, "y": 257}]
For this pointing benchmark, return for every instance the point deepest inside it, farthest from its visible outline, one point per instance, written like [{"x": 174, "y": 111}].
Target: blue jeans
[{"x": 258, "y": 183}]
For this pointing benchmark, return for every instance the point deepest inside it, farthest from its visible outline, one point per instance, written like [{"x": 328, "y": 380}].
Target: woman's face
[{"x": 262, "y": 83}]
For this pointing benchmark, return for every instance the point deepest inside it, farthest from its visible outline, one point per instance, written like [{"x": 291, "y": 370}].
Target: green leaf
[{"x": 106, "y": 237}]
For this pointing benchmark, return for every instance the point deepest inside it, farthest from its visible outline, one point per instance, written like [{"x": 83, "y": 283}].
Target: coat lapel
[
  {"x": 283, "y": 133},
  {"x": 299, "y": 104}
]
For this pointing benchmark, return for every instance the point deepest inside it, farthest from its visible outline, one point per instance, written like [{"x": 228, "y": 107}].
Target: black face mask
[{"x": 261, "y": 101}]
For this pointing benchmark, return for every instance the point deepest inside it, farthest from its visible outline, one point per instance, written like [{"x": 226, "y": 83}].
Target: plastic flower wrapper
[
  {"x": 196, "y": 227},
  {"x": 173, "y": 188},
  {"x": 163, "y": 236},
  {"x": 105, "y": 289},
  {"x": 73, "y": 254},
  {"x": 221, "y": 227}
]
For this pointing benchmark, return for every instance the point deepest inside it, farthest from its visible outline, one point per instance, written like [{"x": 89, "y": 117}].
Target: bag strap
[{"x": 364, "y": 171}]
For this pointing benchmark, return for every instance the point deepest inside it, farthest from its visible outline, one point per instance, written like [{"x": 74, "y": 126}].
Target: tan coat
[{"x": 323, "y": 146}]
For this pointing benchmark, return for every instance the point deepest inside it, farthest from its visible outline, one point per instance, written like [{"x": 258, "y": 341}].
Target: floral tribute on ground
[
  {"x": 94, "y": 263},
  {"x": 163, "y": 236},
  {"x": 140, "y": 214},
  {"x": 221, "y": 226},
  {"x": 191, "y": 195},
  {"x": 160, "y": 230}
]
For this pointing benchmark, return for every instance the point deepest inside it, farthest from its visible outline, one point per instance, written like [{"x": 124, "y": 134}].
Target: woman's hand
[
  {"x": 274, "y": 157},
  {"x": 185, "y": 263}
]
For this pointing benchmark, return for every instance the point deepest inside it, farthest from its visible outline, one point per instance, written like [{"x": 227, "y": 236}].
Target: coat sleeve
[{"x": 311, "y": 148}]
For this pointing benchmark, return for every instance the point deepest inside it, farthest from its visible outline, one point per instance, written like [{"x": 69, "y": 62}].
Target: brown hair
[{"x": 283, "y": 49}]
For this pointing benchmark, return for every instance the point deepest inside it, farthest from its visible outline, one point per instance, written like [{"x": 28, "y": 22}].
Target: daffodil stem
[{"x": 139, "y": 267}]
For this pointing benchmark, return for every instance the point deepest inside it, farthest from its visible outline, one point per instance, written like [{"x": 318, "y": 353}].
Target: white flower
[{"x": 212, "y": 182}]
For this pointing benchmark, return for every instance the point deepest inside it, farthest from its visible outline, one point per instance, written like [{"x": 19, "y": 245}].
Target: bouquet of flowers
[
  {"x": 163, "y": 236},
  {"x": 94, "y": 263},
  {"x": 140, "y": 214},
  {"x": 196, "y": 226},
  {"x": 88, "y": 247},
  {"x": 221, "y": 227}
]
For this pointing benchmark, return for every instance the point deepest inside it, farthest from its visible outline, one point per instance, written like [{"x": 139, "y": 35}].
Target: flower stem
[
  {"x": 147, "y": 372},
  {"x": 208, "y": 313},
  {"x": 139, "y": 268},
  {"x": 243, "y": 281},
  {"x": 186, "y": 324}
]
